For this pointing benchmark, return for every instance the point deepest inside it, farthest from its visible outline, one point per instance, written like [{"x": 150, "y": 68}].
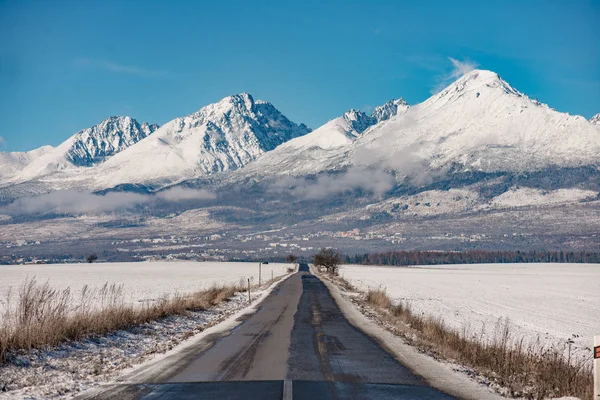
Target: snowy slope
[
  {"x": 317, "y": 150},
  {"x": 521, "y": 197},
  {"x": 595, "y": 119},
  {"x": 478, "y": 122},
  {"x": 87, "y": 147},
  {"x": 219, "y": 137},
  {"x": 338, "y": 132},
  {"x": 482, "y": 123},
  {"x": 13, "y": 162}
]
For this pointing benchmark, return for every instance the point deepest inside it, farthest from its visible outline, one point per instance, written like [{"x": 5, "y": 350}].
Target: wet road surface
[{"x": 298, "y": 345}]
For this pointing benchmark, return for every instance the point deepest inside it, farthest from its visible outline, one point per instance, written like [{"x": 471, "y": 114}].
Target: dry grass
[
  {"x": 335, "y": 278},
  {"x": 532, "y": 371},
  {"x": 43, "y": 316}
]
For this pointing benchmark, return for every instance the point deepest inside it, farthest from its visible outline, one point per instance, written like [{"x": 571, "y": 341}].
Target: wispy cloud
[
  {"x": 75, "y": 202},
  {"x": 117, "y": 67},
  {"x": 2, "y": 141},
  {"x": 179, "y": 193},
  {"x": 459, "y": 68},
  {"x": 369, "y": 180}
]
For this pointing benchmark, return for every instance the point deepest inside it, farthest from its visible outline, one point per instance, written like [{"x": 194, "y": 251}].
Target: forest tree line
[{"x": 471, "y": 257}]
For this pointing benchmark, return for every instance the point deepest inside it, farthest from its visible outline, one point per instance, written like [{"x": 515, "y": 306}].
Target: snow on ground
[
  {"x": 519, "y": 197},
  {"x": 142, "y": 281},
  {"x": 64, "y": 371},
  {"x": 555, "y": 302}
]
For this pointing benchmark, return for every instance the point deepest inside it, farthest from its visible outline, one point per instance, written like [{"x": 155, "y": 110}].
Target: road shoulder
[
  {"x": 163, "y": 366},
  {"x": 439, "y": 375}
]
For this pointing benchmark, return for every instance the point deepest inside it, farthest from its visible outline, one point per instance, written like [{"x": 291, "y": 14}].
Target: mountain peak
[
  {"x": 222, "y": 136},
  {"x": 390, "y": 109},
  {"x": 595, "y": 119},
  {"x": 479, "y": 78},
  {"x": 474, "y": 83},
  {"x": 96, "y": 144},
  {"x": 358, "y": 120}
]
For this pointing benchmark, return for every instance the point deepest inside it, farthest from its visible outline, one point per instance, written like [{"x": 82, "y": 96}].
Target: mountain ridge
[
  {"x": 477, "y": 123},
  {"x": 85, "y": 148},
  {"x": 219, "y": 137}
]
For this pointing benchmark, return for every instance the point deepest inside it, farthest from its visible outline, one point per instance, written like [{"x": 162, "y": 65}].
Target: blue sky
[{"x": 67, "y": 65}]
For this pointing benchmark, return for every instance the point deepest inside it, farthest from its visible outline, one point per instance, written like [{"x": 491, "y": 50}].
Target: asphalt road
[{"x": 298, "y": 345}]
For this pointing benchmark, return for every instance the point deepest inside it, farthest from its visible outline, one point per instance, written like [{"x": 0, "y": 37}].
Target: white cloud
[
  {"x": 75, "y": 202},
  {"x": 370, "y": 180},
  {"x": 181, "y": 194},
  {"x": 117, "y": 68},
  {"x": 72, "y": 201},
  {"x": 459, "y": 68}
]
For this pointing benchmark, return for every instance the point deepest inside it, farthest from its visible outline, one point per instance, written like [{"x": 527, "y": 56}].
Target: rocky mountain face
[
  {"x": 389, "y": 109},
  {"x": 595, "y": 119},
  {"x": 95, "y": 145},
  {"x": 86, "y": 148},
  {"x": 478, "y": 124},
  {"x": 220, "y": 137}
]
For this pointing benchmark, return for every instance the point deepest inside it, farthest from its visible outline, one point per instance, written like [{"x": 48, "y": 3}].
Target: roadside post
[
  {"x": 597, "y": 367},
  {"x": 260, "y": 271},
  {"x": 249, "y": 298}
]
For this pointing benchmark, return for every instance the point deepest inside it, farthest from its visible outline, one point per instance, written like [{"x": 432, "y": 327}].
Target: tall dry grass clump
[
  {"x": 532, "y": 371},
  {"x": 38, "y": 315}
]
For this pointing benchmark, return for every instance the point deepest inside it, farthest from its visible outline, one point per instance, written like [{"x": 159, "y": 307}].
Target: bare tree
[
  {"x": 91, "y": 258},
  {"x": 328, "y": 258},
  {"x": 292, "y": 259}
]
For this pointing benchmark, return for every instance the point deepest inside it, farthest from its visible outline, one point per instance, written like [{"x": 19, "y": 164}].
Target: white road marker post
[
  {"x": 249, "y": 298},
  {"x": 259, "y": 272},
  {"x": 597, "y": 367}
]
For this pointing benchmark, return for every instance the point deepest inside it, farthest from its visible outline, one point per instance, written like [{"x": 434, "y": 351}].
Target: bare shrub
[
  {"x": 43, "y": 316},
  {"x": 531, "y": 371}
]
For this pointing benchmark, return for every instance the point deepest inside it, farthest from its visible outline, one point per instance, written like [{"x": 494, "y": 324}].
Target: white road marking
[{"x": 287, "y": 390}]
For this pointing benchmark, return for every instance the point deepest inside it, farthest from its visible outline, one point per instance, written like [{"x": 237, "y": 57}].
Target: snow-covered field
[
  {"x": 555, "y": 302},
  {"x": 141, "y": 281},
  {"x": 65, "y": 370}
]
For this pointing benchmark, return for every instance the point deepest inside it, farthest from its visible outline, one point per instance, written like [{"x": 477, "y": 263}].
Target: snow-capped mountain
[
  {"x": 338, "y": 132},
  {"x": 481, "y": 123},
  {"x": 390, "y": 109},
  {"x": 311, "y": 153},
  {"x": 87, "y": 147},
  {"x": 223, "y": 136},
  {"x": 595, "y": 119},
  {"x": 478, "y": 122},
  {"x": 13, "y": 162},
  {"x": 96, "y": 144}
]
